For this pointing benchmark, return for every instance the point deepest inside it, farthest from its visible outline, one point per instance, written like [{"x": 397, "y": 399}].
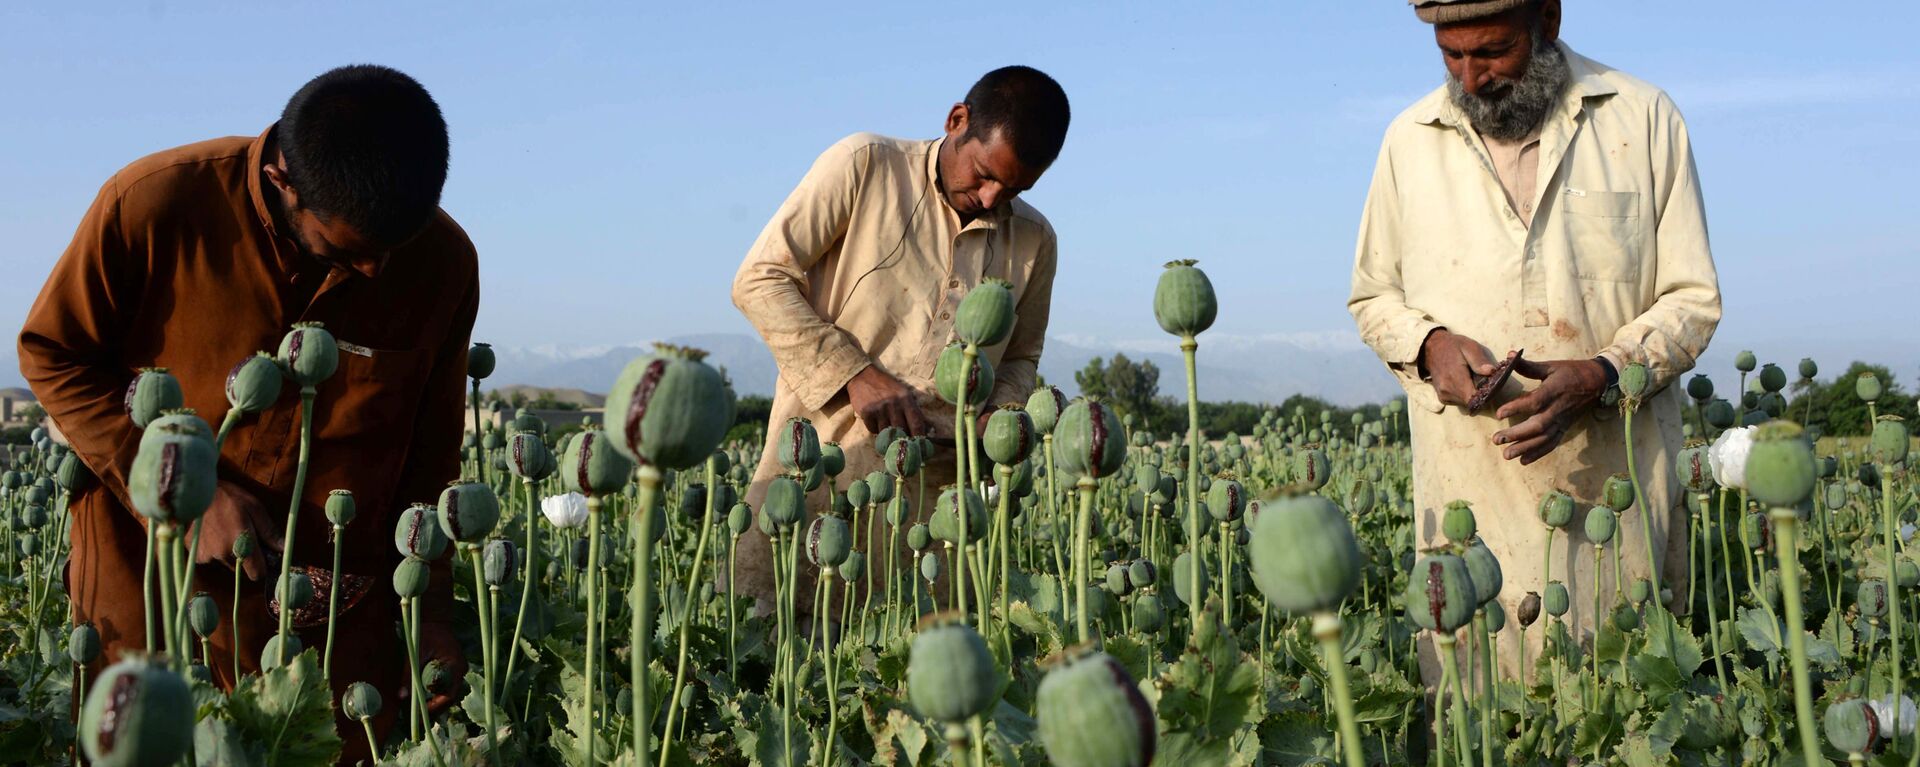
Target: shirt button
[
  {"x": 953, "y": 283},
  {"x": 945, "y": 316}
]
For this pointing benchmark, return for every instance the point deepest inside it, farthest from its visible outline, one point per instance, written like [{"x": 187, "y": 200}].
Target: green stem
[
  {"x": 146, "y": 587},
  {"x": 333, "y": 607},
  {"x": 1326, "y": 627},
  {"x": 373, "y": 747},
  {"x": 1893, "y": 604},
  {"x": 293, "y": 514},
  {"x": 1081, "y": 524},
  {"x": 234, "y": 625},
  {"x": 530, "y": 585},
  {"x": 593, "y": 622},
  {"x": 1187, "y": 348},
  {"x": 686, "y": 621},
  {"x": 641, "y": 638},
  {"x": 487, "y": 634},
  {"x": 1445, "y": 642},
  {"x": 1786, "y": 523},
  {"x": 1713, "y": 611}
]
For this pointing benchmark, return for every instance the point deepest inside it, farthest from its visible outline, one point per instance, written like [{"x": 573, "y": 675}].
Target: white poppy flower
[
  {"x": 566, "y": 510},
  {"x": 1728, "y": 455},
  {"x": 1883, "y": 711}
]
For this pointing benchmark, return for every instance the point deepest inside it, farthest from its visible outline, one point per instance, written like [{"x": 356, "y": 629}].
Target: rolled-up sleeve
[
  {"x": 69, "y": 342},
  {"x": 1020, "y": 363},
  {"x": 1670, "y": 335},
  {"x": 1394, "y": 330},
  {"x": 816, "y": 359}
]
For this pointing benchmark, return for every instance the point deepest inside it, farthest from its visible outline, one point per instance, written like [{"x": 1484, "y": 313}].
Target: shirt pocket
[
  {"x": 1603, "y": 233},
  {"x": 374, "y": 395}
]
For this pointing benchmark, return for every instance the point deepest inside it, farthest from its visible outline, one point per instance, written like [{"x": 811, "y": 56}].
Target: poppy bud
[
  {"x": 1091, "y": 713},
  {"x": 1044, "y": 406},
  {"x": 340, "y": 508},
  {"x": 308, "y": 354},
  {"x": 1600, "y": 525},
  {"x": 1556, "y": 600},
  {"x": 1625, "y": 618},
  {"x": 1305, "y": 558},
  {"x": 985, "y": 317},
  {"x": 1556, "y": 509},
  {"x": 1183, "y": 302},
  {"x": 1183, "y": 586},
  {"x": 1440, "y": 593},
  {"x": 859, "y": 495},
  {"x": 1617, "y": 492},
  {"x": 946, "y": 376},
  {"x": 1148, "y": 614},
  {"x": 1720, "y": 414},
  {"x": 410, "y": 578},
  {"x": 897, "y": 511},
  {"x": 480, "y": 361},
  {"x": 1092, "y": 443},
  {"x": 950, "y": 673},
  {"x": 138, "y": 713},
  {"x": 203, "y": 616},
  {"x": 361, "y": 701},
  {"x": 832, "y": 459},
  {"x": 739, "y": 518},
  {"x": 1360, "y": 499},
  {"x": 1457, "y": 523},
  {"x": 1010, "y": 436},
  {"x": 919, "y": 537},
  {"x": 1635, "y": 379}
]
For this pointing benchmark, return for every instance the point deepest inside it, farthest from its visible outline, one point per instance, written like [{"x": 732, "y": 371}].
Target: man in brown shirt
[{"x": 194, "y": 258}]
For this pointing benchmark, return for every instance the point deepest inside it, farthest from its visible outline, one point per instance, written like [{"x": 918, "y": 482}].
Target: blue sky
[{"x": 614, "y": 164}]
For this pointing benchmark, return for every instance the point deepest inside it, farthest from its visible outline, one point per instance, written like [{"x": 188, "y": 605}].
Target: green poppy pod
[
  {"x": 1625, "y": 618},
  {"x": 1183, "y": 587},
  {"x": 1226, "y": 500},
  {"x": 1556, "y": 600},
  {"x": 152, "y": 392},
  {"x": 1091, "y": 714},
  {"x": 493, "y": 440},
  {"x": 203, "y": 616},
  {"x": 1091, "y": 441},
  {"x": 1310, "y": 469},
  {"x": 480, "y": 361},
  {"x": 693, "y": 500},
  {"x": 499, "y": 561},
  {"x": 254, "y": 384},
  {"x": 902, "y": 459},
  {"x": 1141, "y": 438},
  {"x": 1617, "y": 492},
  {"x": 340, "y": 508},
  {"x": 1440, "y": 593},
  {"x": 1529, "y": 610},
  {"x": 1720, "y": 414},
  {"x": 34, "y": 517},
  {"x": 361, "y": 701},
  {"x": 853, "y": 568},
  {"x": 308, "y": 354},
  {"x": 1010, "y": 436},
  {"x": 1906, "y": 574},
  {"x": 799, "y": 445},
  {"x": 1019, "y": 482},
  {"x": 1808, "y": 369},
  {"x": 785, "y": 503},
  {"x": 243, "y": 544},
  {"x": 184, "y": 419},
  {"x": 73, "y": 474},
  {"x": 525, "y": 420},
  {"x": 828, "y": 541},
  {"x": 898, "y": 511},
  {"x": 1183, "y": 301},
  {"x": 1836, "y": 496},
  {"x": 1142, "y": 573},
  {"x": 1745, "y": 362},
  {"x": 1556, "y": 509},
  {"x": 1891, "y": 440},
  {"x": 528, "y": 457},
  {"x": 1635, "y": 380},
  {"x": 950, "y": 673},
  {"x": 173, "y": 474},
  {"x": 468, "y": 511},
  {"x": 1360, "y": 498},
  {"x": 1872, "y": 598},
  {"x": 1772, "y": 378},
  {"x": 1148, "y": 614},
  {"x": 739, "y": 518},
  {"x": 1165, "y": 490},
  {"x": 138, "y": 714},
  {"x": 591, "y": 467},
  {"x": 83, "y": 644},
  {"x": 1600, "y": 525},
  {"x": 1867, "y": 387},
  {"x": 1700, "y": 388},
  {"x": 919, "y": 537},
  {"x": 1496, "y": 616},
  {"x": 886, "y": 438},
  {"x": 879, "y": 487},
  {"x": 832, "y": 459},
  {"x": 1640, "y": 591},
  {"x": 295, "y": 591},
  {"x": 1694, "y": 468},
  {"x": 858, "y": 494},
  {"x": 1852, "y": 727},
  {"x": 438, "y": 679},
  {"x": 1116, "y": 579},
  {"x": 1780, "y": 470},
  {"x": 985, "y": 316},
  {"x": 1484, "y": 567},
  {"x": 1773, "y": 404},
  {"x": 1305, "y": 558},
  {"x": 947, "y": 518},
  {"x": 271, "y": 653},
  {"x": 1044, "y": 406},
  {"x": 669, "y": 409},
  {"x": 1457, "y": 522},
  {"x": 946, "y": 376},
  {"x": 417, "y": 533}
]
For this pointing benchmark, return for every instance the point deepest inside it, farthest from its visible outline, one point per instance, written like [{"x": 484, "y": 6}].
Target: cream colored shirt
[
  {"x": 1515, "y": 164},
  {"x": 1613, "y": 260}
]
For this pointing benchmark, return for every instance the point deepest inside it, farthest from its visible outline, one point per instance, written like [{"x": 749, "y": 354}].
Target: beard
[{"x": 1514, "y": 109}]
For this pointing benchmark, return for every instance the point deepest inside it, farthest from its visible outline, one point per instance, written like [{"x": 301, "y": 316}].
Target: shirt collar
[
  {"x": 1438, "y": 108},
  {"x": 286, "y": 251}
]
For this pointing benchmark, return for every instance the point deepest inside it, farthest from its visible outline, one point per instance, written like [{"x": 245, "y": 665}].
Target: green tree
[
  {"x": 1131, "y": 387},
  {"x": 1839, "y": 412}
]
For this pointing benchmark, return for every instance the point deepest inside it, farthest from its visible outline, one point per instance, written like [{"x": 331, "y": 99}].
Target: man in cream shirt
[
  {"x": 855, "y": 281},
  {"x": 1544, "y": 202}
]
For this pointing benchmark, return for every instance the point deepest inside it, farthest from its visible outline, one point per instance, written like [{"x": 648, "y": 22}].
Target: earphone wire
[{"x": 887, "y": 261}]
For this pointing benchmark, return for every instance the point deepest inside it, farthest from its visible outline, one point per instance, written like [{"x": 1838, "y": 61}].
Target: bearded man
[{"x": 1546, "y": 203}]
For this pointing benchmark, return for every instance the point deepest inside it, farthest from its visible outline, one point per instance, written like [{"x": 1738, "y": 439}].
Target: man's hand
[
  {"x": 882, "y": 401},
  {"x": 1567, "y": 389},
  {"x": 437, "y": 643},
  {"x": 232, "y": 512},
  {"x": 1452, "y": 360}
]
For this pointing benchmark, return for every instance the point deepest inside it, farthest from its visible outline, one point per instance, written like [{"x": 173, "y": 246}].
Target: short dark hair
[
  {"x": 1026, "y": 106},
  {"x": 368, "y": 144}
]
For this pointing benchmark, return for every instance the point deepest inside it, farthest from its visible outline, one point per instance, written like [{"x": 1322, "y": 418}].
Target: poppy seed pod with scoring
[
  {"x": 985, "y": 316},
  {"x": 152, "y": 392},
  {"x": 1457, "y": 522},
  {"x": 1694, "y": 468},
  {"x": 340, "y": 508},
  {"x": 1780, "y": 470},
  {"x": 417, "y": 533},
  {"x": 468, "y": 511},
  {"x": 1117, "y": 581},
  {"x": 1010, "y": 435},
  {"x": 173, "y": 475},
  {"x": 1484, "y": 567},
  {"x": 1183, "y": 302},
  {"x": 1226, "y": 500},
  {"x": 946, "y": 376},
  {"x": 902, "y": 459},
  {"x": 203, "y": 616},
  {"x": 1044, "y": 406},
  {"x": 308, "y": 354},
  {"x": 1440, "y": 593},
  {"x": 1617, "y": 492},
  {"x": 138, "y": 713},
  {"x": 1600, "y": 525},
  {"x": 1305, "y": 558},
  {"x": 1872, "y": 598},
  {"x": 592, "y": 467},
  {"x": 1310, "y": 469},
  {"x": 1091, "y": 714},
  {"x": 1091, "y": 441},
  {"x": 947, "y": 515},
  {"x": 951, "y": 675},
  {"x": 828, "y": 541},
  {"x": 1891, "y": 439},
  {"x": 181, "y": 418},
  {"x": 1142, "y": 573},
  {"x": 799, "y": 445},
  {"x": 480, "y": 360},
  {"x": 1556, "y": 509},
  {"x": 1852, "y": 727},
  {"x": 254, "y": 384},
  {"x": 528, "y": 457},
  {"x": 1772, "y": 378},
  {"x": 669, "y": 409}
]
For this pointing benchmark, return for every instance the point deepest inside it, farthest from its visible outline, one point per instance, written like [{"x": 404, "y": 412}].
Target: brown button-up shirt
[{"x": 178, "y": 264}]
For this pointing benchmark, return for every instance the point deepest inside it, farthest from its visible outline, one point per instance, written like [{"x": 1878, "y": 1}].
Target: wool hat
[{"x": 1450, "y": 11}]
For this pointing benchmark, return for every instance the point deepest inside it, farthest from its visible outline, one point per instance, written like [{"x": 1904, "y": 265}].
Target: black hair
[
  {"x": 1026, "y": 106},
  {"x": 367, "y": 144}
]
